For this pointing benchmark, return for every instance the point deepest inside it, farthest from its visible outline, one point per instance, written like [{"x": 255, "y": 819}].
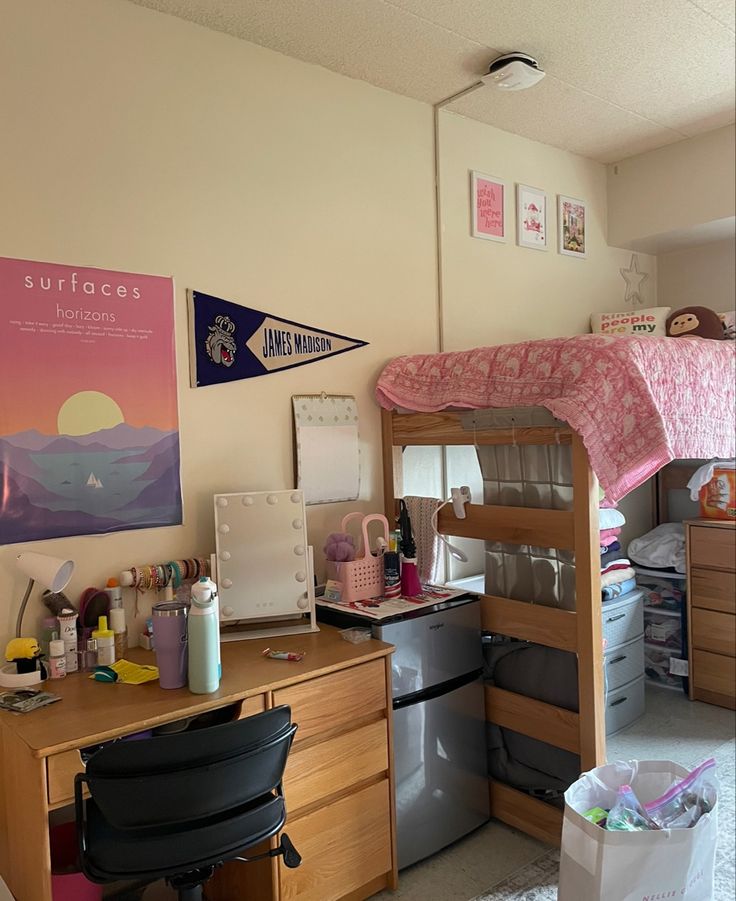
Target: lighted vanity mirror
[{"x": 264, "y": 564}]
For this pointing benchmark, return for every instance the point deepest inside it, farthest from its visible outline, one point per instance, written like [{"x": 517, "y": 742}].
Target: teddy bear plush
[{"x": 691, "y": 322}]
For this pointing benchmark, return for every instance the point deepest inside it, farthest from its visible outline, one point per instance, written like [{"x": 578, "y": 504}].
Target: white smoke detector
[{"x": 514, "y": 72}]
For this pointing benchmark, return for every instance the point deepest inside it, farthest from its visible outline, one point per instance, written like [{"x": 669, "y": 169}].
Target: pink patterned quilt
[{"x": 637, "y": 402}]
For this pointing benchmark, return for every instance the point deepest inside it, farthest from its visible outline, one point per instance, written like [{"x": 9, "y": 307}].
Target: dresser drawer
[
  {"x": 713, "y": 631},
  {"x": 714, "y": 673},
  {"x": 332, "y": 766},
  {"x": 344, "y": 846},
  {"x": 713, "y": 546},
  {"x": 713, "y": 589},
  {"x": 623, "y": 620},
  {"x": 60, "y": 772},
  {"x": 329, "y": 702}
]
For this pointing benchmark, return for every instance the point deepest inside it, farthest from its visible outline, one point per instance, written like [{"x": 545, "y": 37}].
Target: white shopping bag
[{"x": 597, "y": 865}]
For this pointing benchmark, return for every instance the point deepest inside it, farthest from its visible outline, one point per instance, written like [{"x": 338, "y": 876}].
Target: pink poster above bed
[
  {"x": 488, "y": 203},
  {"x": 89, "y": 437}
]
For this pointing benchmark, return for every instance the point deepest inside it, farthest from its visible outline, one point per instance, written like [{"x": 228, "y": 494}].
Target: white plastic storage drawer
[
  {"x": 624, "y": 663},
  {"x": 624, "y": 705},
  {"x": 623, "y": 619}
]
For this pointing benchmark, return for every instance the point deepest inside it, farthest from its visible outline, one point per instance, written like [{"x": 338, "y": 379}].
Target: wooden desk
[
  {"x": 338, "y": 782},
  {"x": 711, "y": 610}
]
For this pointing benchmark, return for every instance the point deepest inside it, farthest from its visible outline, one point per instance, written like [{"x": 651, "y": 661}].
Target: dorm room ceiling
[{"x": 623, "y": 76}]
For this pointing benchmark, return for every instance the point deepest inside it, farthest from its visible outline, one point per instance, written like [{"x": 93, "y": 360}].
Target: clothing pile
[{"x": 617, "y": 574}]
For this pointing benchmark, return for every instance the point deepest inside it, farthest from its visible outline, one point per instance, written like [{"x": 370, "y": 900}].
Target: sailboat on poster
[{"x": 230, "y": 342}]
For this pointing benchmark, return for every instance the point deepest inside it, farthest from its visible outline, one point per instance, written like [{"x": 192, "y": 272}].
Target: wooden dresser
[
  {"x": 711, "y": 610},
  {"x": 338, "y": 782}
]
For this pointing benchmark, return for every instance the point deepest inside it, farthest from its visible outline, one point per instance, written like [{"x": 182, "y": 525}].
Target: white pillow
[{"x": 632, "y": 322}]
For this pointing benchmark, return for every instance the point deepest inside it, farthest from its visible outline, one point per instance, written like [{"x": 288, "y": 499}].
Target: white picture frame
[
  {"x": 531, "y": 217},
  {"x": 488, "y": 207},
  {"x": 572, "y": 227}
]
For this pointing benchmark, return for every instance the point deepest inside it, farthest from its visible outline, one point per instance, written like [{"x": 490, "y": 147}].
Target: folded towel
[
  {"x": 661, "y": 548},
  {"x": 609, "y": 518},
  {"x": 609, "y": 592},
  {"x": 613, "y": 546},
  {"x": 621, "y": 563},
  {"x": 610, "y": 533},
  {"x": 618, "y": 575}
]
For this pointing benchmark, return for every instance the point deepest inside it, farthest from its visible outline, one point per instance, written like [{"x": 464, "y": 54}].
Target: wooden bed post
[
  {"x": 391, "y": 463},
  {"x": 578, "y": 632},
  {"x": 588, "y": 608}
]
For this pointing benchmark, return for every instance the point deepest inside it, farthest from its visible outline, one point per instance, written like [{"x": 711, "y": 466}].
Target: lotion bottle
[{"x": 105, "y": 639}]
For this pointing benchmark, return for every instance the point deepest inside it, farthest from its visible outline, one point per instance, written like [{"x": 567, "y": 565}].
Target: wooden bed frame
[{"x": 576, "y": 530}]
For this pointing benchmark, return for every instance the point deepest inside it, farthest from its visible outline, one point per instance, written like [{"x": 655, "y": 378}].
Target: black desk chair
[{"x": 178, "y": 806}]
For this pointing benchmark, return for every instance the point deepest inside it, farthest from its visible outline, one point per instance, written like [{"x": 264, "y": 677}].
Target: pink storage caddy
[{"x": 361, "y": 578}]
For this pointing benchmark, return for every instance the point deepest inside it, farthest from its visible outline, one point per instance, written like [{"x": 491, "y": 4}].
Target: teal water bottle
[{"x": 204, "y": 639}]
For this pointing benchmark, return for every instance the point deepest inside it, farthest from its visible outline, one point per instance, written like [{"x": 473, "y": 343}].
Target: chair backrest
[{"x": 175, "y": 779}]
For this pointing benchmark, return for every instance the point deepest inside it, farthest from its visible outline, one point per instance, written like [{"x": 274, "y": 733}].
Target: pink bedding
[{"x": 637, "y": 402}]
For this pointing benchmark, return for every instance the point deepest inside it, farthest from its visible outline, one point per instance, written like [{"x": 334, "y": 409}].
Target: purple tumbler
[{"x": 170, "y": 642}]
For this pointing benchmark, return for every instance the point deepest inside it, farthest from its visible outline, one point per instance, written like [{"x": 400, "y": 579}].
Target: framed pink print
[
  {"x": 531, "y": 217},
  {"x": 571, "y": 225},
  {"x": 488, "y": 205}
]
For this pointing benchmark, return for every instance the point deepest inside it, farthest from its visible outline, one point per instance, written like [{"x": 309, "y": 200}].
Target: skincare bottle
[
  {"x": 57, "y": 659},
  {"x": 120, "y": 630},
  {"x": 68, "y": 634},
  {"x": 115, "y": 593},
  {"x": 105, "y": 639}
]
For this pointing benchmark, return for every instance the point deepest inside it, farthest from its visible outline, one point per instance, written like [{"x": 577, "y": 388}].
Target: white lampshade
[{"x": 53, "y": 572}]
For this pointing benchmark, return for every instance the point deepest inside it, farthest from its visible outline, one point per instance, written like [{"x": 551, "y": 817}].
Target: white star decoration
[{"x": 634, "y": 280}]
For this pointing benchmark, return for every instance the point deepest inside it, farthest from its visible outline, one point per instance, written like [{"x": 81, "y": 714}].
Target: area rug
[{"x": 537, "y": 881}]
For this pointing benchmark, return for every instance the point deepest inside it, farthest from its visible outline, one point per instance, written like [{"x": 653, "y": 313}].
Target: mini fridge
[{"x": 439, "y": 726}]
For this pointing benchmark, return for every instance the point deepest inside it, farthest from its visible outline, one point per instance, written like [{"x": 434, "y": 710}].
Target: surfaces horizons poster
[{"x": 89, "y": 439}]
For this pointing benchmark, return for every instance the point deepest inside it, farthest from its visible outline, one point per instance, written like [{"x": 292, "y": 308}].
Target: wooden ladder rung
[
  {"x": 517, "y": 809},
  {"x": 513, "y": 525},
  {"x": 549, "y": 626},
  {"x": 537, "y": 719}
]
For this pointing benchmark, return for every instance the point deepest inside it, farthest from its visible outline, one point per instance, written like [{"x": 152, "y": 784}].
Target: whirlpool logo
[{"x": 437, "y": 626}]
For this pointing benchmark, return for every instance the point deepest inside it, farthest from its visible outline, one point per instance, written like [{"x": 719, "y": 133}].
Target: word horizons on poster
[
  {"x": 231, "y": 342},
  {"x": 89, "y": 439}
]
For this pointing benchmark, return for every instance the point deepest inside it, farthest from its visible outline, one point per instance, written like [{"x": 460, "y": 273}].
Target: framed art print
[
  {"x": 488, "y": 206},
  {"x": 531, "y": 217},
  {"x": 571, "y": 227}
]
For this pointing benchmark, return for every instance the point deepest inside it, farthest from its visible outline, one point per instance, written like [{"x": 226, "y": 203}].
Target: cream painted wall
[
  {"x": 700, "y": 276},
  {"x": 495, "y": 293},
  {"x": 684, "y": 187},
  {"x": 136, "y": 141}
]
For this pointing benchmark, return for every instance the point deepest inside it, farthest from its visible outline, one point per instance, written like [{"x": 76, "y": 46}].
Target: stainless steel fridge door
[
  {"x": 441, "y": 772},
  {"x": 433, "y": 648}
]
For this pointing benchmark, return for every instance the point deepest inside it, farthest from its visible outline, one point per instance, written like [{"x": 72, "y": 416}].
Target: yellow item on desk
[
  {"x": 132, "y": 673},
  {"x": 22, "y": 649}
]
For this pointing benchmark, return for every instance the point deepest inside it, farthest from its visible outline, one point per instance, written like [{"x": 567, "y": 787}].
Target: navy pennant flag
[{"x": 231, "y": 342}]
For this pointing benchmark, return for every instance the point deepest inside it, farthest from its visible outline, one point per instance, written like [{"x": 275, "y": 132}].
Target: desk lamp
[{"x": 52, "y": 572}]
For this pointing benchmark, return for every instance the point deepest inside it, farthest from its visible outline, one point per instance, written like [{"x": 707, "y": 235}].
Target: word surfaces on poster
[
  {"x": 231, "y": 342},
  {"x": 89, "y": 439}
]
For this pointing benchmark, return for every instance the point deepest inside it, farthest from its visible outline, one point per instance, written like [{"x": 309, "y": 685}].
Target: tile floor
[{"x": 497, "y": 862}]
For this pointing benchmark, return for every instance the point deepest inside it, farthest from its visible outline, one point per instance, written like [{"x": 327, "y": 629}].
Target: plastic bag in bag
[
  {"x": 686, "y": 800},
  {"x": 628, "y": 813}
]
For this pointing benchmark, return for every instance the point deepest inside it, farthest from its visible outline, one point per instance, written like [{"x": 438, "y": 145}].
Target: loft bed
[{"x": 624, "y": 408}]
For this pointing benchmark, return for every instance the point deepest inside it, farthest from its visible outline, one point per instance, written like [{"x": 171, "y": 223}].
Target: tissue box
[{"x": 718, "y": 497}]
